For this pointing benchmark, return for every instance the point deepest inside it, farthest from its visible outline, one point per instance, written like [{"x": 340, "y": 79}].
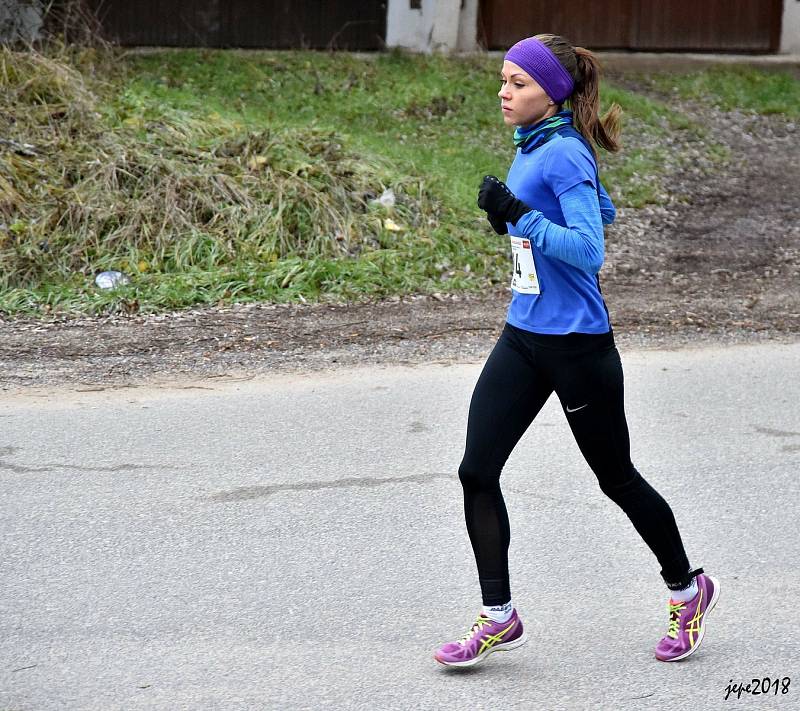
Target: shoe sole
[
  {"x": 710, "y": 607},
  {"x": 502, "y": 647}
]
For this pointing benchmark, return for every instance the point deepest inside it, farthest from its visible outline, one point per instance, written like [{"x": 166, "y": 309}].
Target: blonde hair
[{"x": 584, "y": 68}]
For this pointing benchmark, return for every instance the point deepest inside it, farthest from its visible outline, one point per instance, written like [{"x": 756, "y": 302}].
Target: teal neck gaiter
[{"x": 529, "y": 137}]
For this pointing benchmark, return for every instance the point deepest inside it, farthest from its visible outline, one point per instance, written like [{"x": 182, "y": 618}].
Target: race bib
[{"x": 523, "y": 278}]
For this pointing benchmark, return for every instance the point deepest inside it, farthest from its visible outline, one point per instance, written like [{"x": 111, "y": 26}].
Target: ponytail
[
  {"x": 584, "y": 68},
  {"x": 585, "y": 101}
]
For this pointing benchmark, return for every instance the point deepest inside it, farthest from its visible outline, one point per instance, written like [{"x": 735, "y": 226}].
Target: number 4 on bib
[{"x": 523, "y": 279}]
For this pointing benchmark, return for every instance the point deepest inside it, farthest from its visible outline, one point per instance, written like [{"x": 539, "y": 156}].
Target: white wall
[
  {"x": 468, "y": 27},
  {"x": 440, "y": 25},
  {"x": 790, "y": 34}
]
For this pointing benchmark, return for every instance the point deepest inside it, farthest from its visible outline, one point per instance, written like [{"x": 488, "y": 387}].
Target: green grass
[
  {"x": 213, "y": 176},
  {"x": 432, "y": 116},
  {"x": 763, "y": 91},
  {"x": 428, "y": 116}
]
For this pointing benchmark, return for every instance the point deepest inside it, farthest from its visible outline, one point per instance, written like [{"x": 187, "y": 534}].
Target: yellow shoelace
[
  {"x": 674, "y": 618},
  {"x": 479, "y": 624}
]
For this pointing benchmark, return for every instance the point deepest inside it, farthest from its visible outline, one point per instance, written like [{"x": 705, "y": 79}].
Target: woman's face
[{"x": 522, "y": 101}]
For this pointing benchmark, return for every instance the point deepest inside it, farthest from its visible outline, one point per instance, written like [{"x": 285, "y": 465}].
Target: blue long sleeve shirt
[
  {"x": 565, "y": 233},
  {"x": 581, "y": 242}
]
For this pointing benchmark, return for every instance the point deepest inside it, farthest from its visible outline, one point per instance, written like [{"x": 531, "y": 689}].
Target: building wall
[
  {"x": 468, "y": 27},
  {"x": 432, "y": 27},
  {"x": 437, "y": 25},
  {"x": 790, "y": 33}
]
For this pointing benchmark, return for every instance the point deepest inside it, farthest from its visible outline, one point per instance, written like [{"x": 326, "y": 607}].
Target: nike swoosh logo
[{"x": 577, "y": 408}]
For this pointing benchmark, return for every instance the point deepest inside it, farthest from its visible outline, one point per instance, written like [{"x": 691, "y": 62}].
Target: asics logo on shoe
[
  {"x": 575, "y": 409},
  {"x": 492, "y": 639},
  {"x": 693, "y": 626}
]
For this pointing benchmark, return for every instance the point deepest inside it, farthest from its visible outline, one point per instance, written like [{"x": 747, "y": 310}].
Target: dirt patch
[{"x": 719, "y": 260}]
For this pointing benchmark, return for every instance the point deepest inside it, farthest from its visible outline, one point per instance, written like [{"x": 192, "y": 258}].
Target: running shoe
[
  {"x": 687, "y": 621},
  {"x": 485, "y": 637}
]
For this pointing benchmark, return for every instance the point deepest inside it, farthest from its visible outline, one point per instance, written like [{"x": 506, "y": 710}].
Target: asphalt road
[{"x": 297, "y": 542}]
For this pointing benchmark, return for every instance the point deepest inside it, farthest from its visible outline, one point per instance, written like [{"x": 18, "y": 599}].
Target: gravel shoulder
[{"x": 717, "y": 262}]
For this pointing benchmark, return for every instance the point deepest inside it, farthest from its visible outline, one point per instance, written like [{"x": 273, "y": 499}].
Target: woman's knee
[
  {"x": 474, "y": 475},
  {"x": 622, "y": 485}
]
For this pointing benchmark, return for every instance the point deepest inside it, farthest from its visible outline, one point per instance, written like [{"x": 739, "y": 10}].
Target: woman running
[{"x": 558, "y": 338}]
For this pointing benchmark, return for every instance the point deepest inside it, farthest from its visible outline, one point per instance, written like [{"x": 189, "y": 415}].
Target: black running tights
[{"x": 585, "y": 372}]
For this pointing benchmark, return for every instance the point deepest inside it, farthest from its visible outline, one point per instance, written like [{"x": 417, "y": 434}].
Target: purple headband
[{"x": 540, "y": 62}]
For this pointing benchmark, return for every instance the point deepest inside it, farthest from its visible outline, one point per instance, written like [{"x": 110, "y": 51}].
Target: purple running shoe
[
  {"x": 485, "y": 637},
  {"x": 687, "y": 621}
]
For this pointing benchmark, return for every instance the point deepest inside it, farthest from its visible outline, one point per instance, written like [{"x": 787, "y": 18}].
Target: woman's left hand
[
  {"x": 498, "y": 223},
  {"x": 495, "y": 197}
]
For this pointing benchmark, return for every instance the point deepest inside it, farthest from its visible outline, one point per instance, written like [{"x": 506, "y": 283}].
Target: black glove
[
  {"x": 498, "y": 223},
  {"x": 495, "y": 197}
]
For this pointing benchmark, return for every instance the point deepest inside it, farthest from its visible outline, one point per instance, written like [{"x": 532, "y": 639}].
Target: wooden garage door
[
  {"x": 245, "y": 23},
  {"x": 680, "y": 25}
]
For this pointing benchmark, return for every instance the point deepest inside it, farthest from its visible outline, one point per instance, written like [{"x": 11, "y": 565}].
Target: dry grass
[{"x": 84, "y": 187}]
